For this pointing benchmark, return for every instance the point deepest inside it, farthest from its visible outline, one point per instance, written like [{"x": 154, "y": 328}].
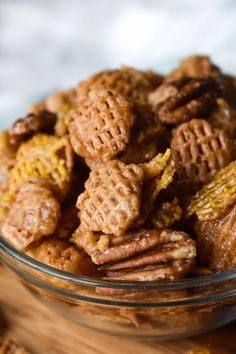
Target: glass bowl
[{"x": 147, "y": 310}]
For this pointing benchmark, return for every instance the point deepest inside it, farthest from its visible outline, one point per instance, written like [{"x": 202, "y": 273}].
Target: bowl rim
[{"x": 204, "y": 280}]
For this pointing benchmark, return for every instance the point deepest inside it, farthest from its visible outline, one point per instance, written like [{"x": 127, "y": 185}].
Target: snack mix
[{"x": 128, "y": 176}]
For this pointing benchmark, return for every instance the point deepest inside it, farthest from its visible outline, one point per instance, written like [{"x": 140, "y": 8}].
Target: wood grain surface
[{"x": 43, "y": 332}]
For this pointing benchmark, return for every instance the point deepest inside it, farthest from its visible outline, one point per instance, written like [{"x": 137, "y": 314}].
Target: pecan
[
  {"x": 33, "y": 213},
  {"x": 131, "y": 83},
  {"x": 199, "y": 151},
  {"x": 100, "y": 127},
  {"x": 156, "y": 254},
  {"x": 112, "y": 197},
  {"x": 195, "y": 98},
  {"x": 24, "y": 128},
  {"x": 216, "y": 241}
]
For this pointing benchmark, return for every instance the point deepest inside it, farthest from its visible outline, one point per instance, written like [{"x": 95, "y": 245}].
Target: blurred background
[{"x": 48, "y": 45}]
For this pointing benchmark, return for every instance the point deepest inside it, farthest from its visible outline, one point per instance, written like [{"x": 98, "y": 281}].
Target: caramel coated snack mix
[{"x": 128, "y": 176}]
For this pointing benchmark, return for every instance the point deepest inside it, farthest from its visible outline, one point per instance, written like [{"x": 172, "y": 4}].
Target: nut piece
[
  {"x": 148, "y": 255},
  {"x": 196, "y": 66},
  {"x": 7, "y": 154},
  {"x": 195, "y": 98},
  {"x": 131, "y": 83},
  {"x": 33, "y": 214},
  {"x": 199, "y": 152},
  {"x": 216, "y": 241},
  {"x": 44, "y": 157},
  {"x": 7, "y": 346},
  {"x": 62, "y": 255},
  {"x": 100, "y": 127},
  {"x": 213, "y": 200},
  {"x": 224, "y": 117},
  {"x": 167, "y": 214},
  {"x": 24, "y": 128},
  {"x": 112, "y": 196}
]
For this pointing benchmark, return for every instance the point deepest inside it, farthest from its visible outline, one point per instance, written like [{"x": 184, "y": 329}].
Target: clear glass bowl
[{"x": 147, "y": 310}]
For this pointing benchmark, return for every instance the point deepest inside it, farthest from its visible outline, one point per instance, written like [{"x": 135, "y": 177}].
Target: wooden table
[{"x": 43, "y": 332}]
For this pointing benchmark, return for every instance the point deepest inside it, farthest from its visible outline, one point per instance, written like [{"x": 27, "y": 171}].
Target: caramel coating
[
  {"x": 33, "y": 213},
  {"x": 25, "y": 128},
  {"x": 130, "y": 82},
  {"x": 216, "y": 241},
  {"x": 100, "y": 127},
  {"x": 186, "y": 99},
  {"x": 199, "y": 151},
  {"x": 62, "y": 255},
  {"x": 112, "y": 196}
]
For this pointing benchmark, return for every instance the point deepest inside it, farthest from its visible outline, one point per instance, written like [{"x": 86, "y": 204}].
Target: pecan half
[
  {"x": 148, "y": 255},
  {"x": 24, "y": 128},
  {"x": 224, "y": 117},
  {"x": 189, "y": 98}
]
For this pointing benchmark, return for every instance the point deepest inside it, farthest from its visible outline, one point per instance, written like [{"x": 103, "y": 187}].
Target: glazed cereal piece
[
  {"x": 224, "y": 117},
  {"x": 197, "y": 66},
  {"x": 158, "y": 175},
  {"x": 166, "y": 214},
  {"x": 199, "y": 151},
  {"x": 112, "y": 197},
  {"x": 33, "y": 214},
  {"x": 7, "y": 154},
  {"x": 100, "y": 126},
  {"x": 86, "y": 240},
  {"x": 129, "y": 82},
  {"x": 213, "y": 200},
  {"x": 57, "y": 100},
  {"x": 148, "y": 255},
  {"x": 216, "y": 241},
  {"x": 45, "y": 157},
  {"x": 7, "y": 346},
  {"x": 185, "y": 99},
  {"x": 24, "y": 128},
  {"x": 63, "y": 255}
]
